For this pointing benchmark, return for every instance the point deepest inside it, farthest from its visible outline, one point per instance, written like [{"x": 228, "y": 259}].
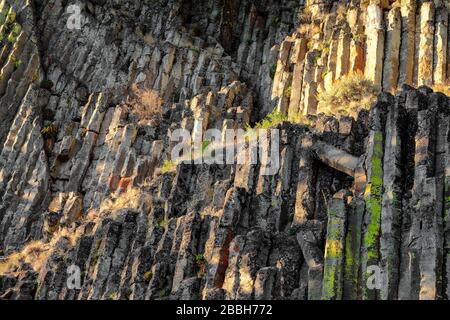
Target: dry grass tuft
[
  {"x": 348, "y": 95},
  {"x": 35, "y": 253},
  {"x": 145, "y": 104},
  {"x": 168, "y": 166},
  {"x": 304, "y": 15},
  {"x": 127, "y": 200}
]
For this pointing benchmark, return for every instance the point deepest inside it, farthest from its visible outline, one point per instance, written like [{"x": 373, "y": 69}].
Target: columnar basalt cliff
[{"x": 358, "y": 208}]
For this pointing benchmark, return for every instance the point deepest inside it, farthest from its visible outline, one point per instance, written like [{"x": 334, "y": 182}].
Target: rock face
[
  {"x": 403, "y": 42},
  {"x": 92, "y": 208}
]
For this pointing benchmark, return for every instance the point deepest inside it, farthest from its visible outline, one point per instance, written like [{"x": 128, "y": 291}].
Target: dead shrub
[
  {"x": 126, "y": 200},
  {"x": 145, "y": 104},
  {"x": 348, "y": 95},
  {"x": 35, "y": 253},
  {"x": 304, "y": 16}
]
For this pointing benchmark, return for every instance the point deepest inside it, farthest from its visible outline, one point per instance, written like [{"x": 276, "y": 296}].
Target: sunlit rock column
[
  {"x": 425, "y": 54},
  {"x": 304, "y": 196},
  {"x": 391, "y": 59},
  {"x": 343, "y": 52},
  {"x": 440, "y": 44},
  {"x": 357, "y": 40},
  {"x": 407, "y": 47},
  {"x": 298, "y": 58},
  {"x": 375, "y": 44},
  {"x": 282, "y": 78},
  {"x": 331, "y": 63},
  {"x": 309, "y": 95}
]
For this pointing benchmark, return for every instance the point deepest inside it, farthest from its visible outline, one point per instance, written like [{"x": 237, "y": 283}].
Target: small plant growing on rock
[
  {"x": 163, "y": 222},
  {"x": 304, "y": 16},
  {"x": 49, "y": 131},
  {"x": 288, "y": 92},
  {"x": 348, "y": 95},
  {"x": 168, "y": 166},
  {"x": 17, "y": 28},
  {"x": 205, "y": 145},
  {"x": 148, "y": 276},
  {"x": 113, "y": 296},
  {"x": 145, "y": 105},
  {"x": 271, "y": 120},
  {"x": 274, "y": 203},
  {"x": 17, "y": 62},
  {"x": 11, "y": 16},
  {"x": 295, "y": 116},
  {"x": 273, "y": 70},
  {"x": 317, "y": 56},
  {"x": 200, "y": 261},
  {"x": 195, "y": 50},
  {"x": 199, "y": 258},
  {"x": 11, "y": 38},
  {"x": 34, "y": 253}
]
